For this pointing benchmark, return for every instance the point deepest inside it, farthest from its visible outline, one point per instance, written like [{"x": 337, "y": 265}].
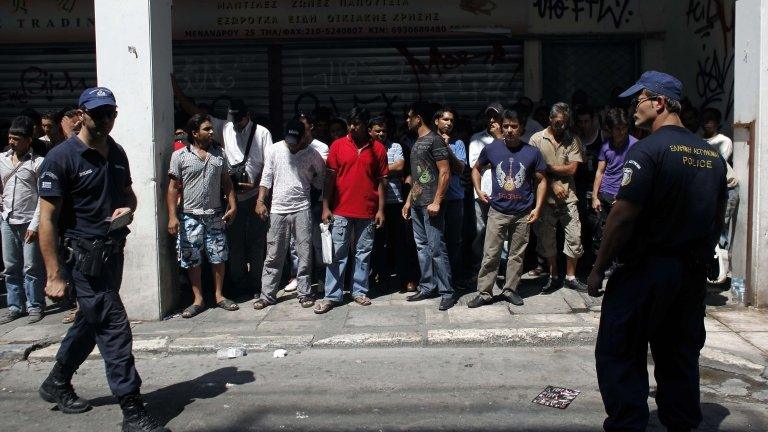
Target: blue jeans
[
  {"x": 24, "y": 271},
  {"x": 432, "y": 252},
  {"x": 730, "y": 215},
  {"x": 454, "y": 225},
  {"x": 342, "y": 231}
]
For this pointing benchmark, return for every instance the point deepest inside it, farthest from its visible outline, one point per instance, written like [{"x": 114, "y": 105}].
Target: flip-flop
[
  {"x": 192, "y": 311},
  {"x": 228, "y": 305}
]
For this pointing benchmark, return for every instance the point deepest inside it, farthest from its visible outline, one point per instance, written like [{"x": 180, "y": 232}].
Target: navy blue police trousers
[
  {"x": 658, "y": 301},
  {"x": 102, "y": 321}
]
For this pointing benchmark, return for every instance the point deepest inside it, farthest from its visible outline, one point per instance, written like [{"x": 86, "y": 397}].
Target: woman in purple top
[{"x": 610, "y": 169}]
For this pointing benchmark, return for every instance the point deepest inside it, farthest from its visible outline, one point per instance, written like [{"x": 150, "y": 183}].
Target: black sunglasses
[{"x": 98, "y": 113}]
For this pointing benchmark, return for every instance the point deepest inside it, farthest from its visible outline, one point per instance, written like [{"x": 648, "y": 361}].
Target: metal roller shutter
[
  {"x": 43, "y": 77},
  {"x": 51, "y": 77},
  {"x": 215, "y": 72},
  {"x": 464, "y": 75}
]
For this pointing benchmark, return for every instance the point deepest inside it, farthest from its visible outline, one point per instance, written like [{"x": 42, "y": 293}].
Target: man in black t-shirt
[
  {"x": 430, "y": 170},
  {"x": 662, "y": 228}
]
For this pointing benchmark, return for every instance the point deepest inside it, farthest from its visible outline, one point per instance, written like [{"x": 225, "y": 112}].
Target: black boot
[
  {"x": 57, "y": 388},
  {"x": 135, "y": 416}
]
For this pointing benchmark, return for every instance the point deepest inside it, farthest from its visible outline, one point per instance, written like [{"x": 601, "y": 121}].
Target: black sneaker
[
  {"x": 512, "y": 297},
  {"x": 553, "y": 284},
  {"x": 576, "y": 285},
  {"x": 11, "y": 315},
  {"x": 478, "y": 301}
]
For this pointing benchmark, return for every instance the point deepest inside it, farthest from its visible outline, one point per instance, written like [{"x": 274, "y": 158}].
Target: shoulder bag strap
[{"x": 248, "y": 146}]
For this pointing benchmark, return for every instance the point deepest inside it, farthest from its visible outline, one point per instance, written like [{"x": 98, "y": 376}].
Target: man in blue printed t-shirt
[{"x": 516, "y": 168}]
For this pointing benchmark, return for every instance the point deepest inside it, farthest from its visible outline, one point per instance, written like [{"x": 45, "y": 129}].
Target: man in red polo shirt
[{"x": 353, "y": 201}]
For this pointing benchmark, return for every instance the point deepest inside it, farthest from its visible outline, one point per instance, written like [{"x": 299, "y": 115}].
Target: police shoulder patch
[{"x": 627, "y": 177}]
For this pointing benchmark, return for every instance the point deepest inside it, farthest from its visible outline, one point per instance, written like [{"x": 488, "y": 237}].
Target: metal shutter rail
[{"x": 465, "y": 76}]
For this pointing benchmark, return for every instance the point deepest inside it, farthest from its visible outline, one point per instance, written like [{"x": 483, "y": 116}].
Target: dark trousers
[
  {"x": 102, "y": 321},
  {"x": 454, "y": 225},
  {"x": 658, "y": 301},
  {"x": 606, "y": 203},
  {"x": 388, "y": 245}
]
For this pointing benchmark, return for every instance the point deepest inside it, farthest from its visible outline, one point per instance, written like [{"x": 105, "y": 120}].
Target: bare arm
[
  {"x": 566, "y": 170},
  {"x": 598, "y": 179},
  {"x": 457, "y": 166},
  {"x": 618, "y": 231},
  {"x": 397, "y": 167},
  {"x": 185, "y": 102},
  {"x": 229, "y": 191},
  {"x": 50, "y": 208},
  {"x": 382, "y": 199},
  {"x": 477, "y": 178},
  {"x": 171, "y": 199},
  {"x": 443, "y": 177},
  {"x": 329, "y": 189},
  {"x": 541, "y": 190}
]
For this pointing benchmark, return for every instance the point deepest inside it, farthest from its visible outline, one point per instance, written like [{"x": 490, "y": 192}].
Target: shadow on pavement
[{"x": 168, "y": 402}]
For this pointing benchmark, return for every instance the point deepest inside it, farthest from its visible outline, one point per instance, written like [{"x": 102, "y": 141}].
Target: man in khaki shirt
[{"x": 562, "y": 152}]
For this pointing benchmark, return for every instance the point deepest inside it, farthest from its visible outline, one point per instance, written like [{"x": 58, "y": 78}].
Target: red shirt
[
  {"x": 177, "y": 144},
  {"x": 358, "y": 174}
]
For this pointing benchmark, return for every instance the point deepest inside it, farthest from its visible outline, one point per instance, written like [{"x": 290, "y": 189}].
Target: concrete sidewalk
[{"x": 737, "y": 339}]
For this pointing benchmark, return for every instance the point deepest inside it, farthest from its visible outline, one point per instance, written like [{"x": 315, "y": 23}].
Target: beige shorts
[{"x": 546, "y": 230}]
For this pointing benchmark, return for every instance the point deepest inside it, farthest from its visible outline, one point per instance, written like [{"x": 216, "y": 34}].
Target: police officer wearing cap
[
  {"x": 662, "y": 230},
  {"x": 86, "y": 202}
]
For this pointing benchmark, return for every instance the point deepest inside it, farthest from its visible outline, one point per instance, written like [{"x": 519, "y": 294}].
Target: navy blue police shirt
[
  {"x": 513, "y": 173},
  {"x": 92, "y": 187},
  {"x": 678, "y": 179}
]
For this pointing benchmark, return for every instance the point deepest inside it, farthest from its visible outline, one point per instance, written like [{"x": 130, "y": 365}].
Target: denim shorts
[{"x": 198, "y": 232}]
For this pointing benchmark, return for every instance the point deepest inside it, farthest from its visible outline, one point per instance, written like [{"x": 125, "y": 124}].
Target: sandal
[
  {"x": 323, "y": 306},
  {"x": 228, "y": 305},
  {"x": 69, "y": 318},
  {"x": 192, "y": 311},
  {"x": 260, "y": 304},
  {"x": 307, "y": 302},
  {"x": 363, "y": 301}
]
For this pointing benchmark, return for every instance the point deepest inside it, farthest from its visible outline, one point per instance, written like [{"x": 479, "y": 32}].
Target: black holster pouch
[{"x": 90, "y": 256}]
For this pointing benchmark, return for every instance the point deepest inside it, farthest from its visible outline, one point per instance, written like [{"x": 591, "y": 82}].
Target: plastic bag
[{"x": 327, "y": 243}]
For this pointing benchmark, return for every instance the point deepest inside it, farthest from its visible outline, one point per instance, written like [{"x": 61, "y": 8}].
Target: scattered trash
[
  {"x": 469, "y": 365},
  {"x": 279, "y": 353},
  {"x": 301, "y": 415},
  {"x": 226, "y": 406},
  {"x": 228, "y": 385},
  {"x": 231, "y": 352},
  {"x": 556, "y": 397}
]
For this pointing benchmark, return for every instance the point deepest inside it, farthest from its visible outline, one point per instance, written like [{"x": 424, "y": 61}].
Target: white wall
[{"x": 133, "y": 51}]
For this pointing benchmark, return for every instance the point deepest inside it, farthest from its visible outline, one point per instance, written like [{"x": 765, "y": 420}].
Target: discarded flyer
[
  {"x": 556, "y": 397},
  {"x": 230, "y": 353},
  {"x": 279, "y": 353}
]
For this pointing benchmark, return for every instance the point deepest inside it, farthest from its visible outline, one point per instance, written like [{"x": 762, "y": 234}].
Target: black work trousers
[
  {"x": 658, "y": 301},
  {"x": 102, "y": 321}
]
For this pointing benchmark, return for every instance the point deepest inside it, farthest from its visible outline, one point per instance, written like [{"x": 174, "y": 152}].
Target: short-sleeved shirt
[
  {"x": 290, "y": 176},
  {"x": 513, "y": 172},
  {"x": 426, "y": 152},
  {"x": 358, "y": 174},
  {"x": 678, "y": 179},
  {"x": 569, "y": 150},
  {"x": 201, "y": 179},
  {"x": 92, "y": 187},
  {"x": 455, "y": 188},
  {"x": 394, "y": 182},
  {"x": 614, "y": 164}
]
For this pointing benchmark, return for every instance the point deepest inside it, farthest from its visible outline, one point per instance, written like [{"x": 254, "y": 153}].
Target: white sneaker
[{"x": 291, "y": 287}]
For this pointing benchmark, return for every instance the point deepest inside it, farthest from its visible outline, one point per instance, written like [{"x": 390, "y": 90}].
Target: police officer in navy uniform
[
  {"x": 86, "y": 200},
  {"x": 662, "y": 229}
]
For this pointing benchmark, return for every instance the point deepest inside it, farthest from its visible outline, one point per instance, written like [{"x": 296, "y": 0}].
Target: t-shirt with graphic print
[
  {"x": 513, "y": 173},
  {"x": 425, "y": 153}
]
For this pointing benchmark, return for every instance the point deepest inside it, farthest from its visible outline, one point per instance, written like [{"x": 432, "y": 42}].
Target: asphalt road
[{"x": 393, "y": 389}]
